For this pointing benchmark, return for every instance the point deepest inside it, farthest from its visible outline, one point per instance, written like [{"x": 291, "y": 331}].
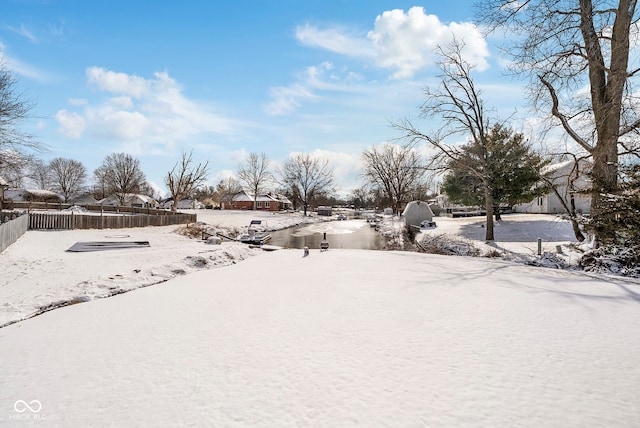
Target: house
[
  {"x": 130, "y": 200},
  {"x": 416, "y": 212},
  {"x": 244, "y": 201},
  {"x": 183, "y": 204},
  {"x": 322, "y": 210},
  {"x": 84, "y": 200},
  {"x": 32, "y": 195},
  {"x": 571, "y": 181}
]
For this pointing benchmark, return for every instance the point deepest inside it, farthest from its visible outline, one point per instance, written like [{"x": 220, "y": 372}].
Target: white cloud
[
  {"x": 24, "y": 32},
  {"x": 404, "y": 42},
  {"x": 285, "y": 99},
  {"x": 71, "y": 123},
  {"x": 118, "y": 83},
  {"x": 22, "y": 69},
  {"x": 143, "y": 115},
  {"x": 334, "y": 39}
]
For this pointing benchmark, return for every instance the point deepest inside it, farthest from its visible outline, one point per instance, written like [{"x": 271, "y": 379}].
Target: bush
[
  {"x": 612, "y": 259},
  {"x": 448, "y": 246}
]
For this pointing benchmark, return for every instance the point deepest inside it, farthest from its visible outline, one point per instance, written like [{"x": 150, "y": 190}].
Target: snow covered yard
[
  {"x": 38, "y": 273},
  {"x": 340, "y": 338}
]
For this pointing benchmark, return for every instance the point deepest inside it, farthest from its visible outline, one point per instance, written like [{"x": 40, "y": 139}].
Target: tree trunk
[{"x": 488, "y": 203}]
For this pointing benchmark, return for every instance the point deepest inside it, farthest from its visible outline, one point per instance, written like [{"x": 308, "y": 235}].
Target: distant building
[
  {"x": 324, "y": 210},
  {"x": 571, "y": 181},
  {"x": 244, "y": 201},
  {"x": 84, "y": 200},
  {"x": 130, "y": 200},
  {"x": 183, "y": 204},
  {"x": 32, "y": 195}
]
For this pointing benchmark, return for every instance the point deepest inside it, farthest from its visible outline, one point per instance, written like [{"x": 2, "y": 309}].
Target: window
[
  {"x": 259, "y": 204},
  {"x": 267, "y": 204}
]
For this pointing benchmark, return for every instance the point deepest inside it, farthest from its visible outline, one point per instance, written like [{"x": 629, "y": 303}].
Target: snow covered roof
[{"x": 3, "y": 182}]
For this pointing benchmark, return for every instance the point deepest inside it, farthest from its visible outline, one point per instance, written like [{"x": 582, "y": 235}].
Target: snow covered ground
[{"x": 338, "y": 338}]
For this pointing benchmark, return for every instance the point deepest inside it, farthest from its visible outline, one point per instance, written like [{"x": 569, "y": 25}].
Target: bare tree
[
  {"x": 40, "y": 174},
  {"x": 307, "y": 176},
  {"x": 99, "y": 188},
  {"x": 395, "y": 170},
  {"x": 68, "y": 177},
  {"x": 255, "y": 174},
  {"x": 15, "y": 145},
  {"x": 226, "y": 188},
  {"x": 122, "y": 175},
  {"x": 563, "y": 46},
  {"x": 184, "y": 178},
  {"x": 458, "y": 103}
]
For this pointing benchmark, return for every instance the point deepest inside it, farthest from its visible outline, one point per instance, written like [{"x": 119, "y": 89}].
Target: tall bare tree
[
  {"x": 40, "y": 174},
  {"x": 459, "y": 105},
  {"x": 16, "y": 145},
  {"x": 68, "y": 177},
  {"x": 397, "y": 170},
  {"x": 185, "y": 177},
  {"x": 307, "y": 176},
  {"x": 563, "y": 46},
  {"x": 255, "y": 174},
  {"x": 122, "y": 175}
]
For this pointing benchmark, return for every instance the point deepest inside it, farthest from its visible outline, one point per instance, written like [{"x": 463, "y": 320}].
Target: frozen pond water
[{"x": 351, "y": 234}]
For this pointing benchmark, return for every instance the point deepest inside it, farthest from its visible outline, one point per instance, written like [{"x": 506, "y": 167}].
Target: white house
[
  {"x": 416, "y": 212},
  {"x": 31, "y": 195},
  {"x": 571, "y": 181},
  {"x": 265, "y": 202},
  {"x": 183, "y": 204},
  {"x": 130, "y": 200}
]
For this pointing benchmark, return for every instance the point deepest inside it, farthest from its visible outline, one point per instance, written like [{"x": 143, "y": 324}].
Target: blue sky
[{"x": 225, "y": 78}]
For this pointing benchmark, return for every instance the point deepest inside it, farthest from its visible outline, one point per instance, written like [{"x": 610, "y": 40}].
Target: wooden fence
[
  {"x": 12, "y": 227},
  {"x": 47, "y": 220},
  {"x": 98, "y": 216}
]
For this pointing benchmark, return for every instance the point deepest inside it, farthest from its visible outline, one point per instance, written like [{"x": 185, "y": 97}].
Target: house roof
[
  {"x": 244, "y": 196},
  {"x": 3, "y": 182}
]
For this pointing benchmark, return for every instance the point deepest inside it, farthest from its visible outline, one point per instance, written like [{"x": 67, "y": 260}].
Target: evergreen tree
[
  {"x": 506, "y": 162},
  {"x": 621, "y": 225}
]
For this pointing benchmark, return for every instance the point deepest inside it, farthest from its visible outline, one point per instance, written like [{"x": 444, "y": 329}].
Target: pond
[{"x": 347, "y": 234}]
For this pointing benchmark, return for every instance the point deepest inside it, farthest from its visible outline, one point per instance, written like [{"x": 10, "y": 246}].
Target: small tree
[
  {"x": 511, "y": 167},
  {"x": 184, "y": 178},
  {"x": 226, "y": 188},
  {"x": 622, "y": 223},
  {"x": 255, "y": 174},
  {"x": 307, "y": 177},
  {"x": 395, "y": 170},
  {"x": 122, "y": 175},
  {"x": 68, "y": 177},
  {"x": 39, "y": 173}
]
